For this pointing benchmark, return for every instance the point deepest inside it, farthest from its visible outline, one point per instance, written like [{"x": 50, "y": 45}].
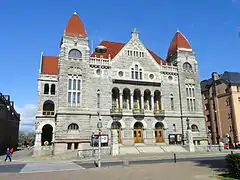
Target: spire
[
  {"x": 135, "y": 34},
  {"x": 179, "y": 43},
  {"x": 75, "y": 27}
]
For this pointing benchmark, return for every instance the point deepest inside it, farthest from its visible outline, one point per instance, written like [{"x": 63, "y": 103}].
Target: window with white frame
[
  {"x": 74, "y": 90},
  {"x": 191, "y": 100},
  {"x": 135, "y": 53},
  {"x": 136, "y": 72}
]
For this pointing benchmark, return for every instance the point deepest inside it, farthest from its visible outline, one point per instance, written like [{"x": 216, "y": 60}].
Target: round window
[
  {"x": 120, "y": 73},
  {"x": 170, "y": 78},
  {"x": 151, "y": 76}
]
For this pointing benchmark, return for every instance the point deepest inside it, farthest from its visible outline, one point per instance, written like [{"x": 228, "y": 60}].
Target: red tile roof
[
  {"x": 49, "y": 65},
  {"x": 179, "y": 43},
  {"x": 75, "y": 27},
  {"x": 113, "y": 49}
]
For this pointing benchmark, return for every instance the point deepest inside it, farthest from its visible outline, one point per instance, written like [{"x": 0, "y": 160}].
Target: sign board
[{"x": 104, "y": 139}]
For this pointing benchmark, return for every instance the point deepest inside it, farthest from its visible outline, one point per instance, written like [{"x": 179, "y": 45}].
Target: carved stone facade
[{"x": 149, "y": 98}]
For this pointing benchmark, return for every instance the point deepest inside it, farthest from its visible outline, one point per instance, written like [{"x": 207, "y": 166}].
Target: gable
[{"x": 113, "y": 48}]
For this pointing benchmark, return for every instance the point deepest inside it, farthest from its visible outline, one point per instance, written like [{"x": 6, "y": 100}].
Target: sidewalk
[{"x": 126, "y": 157}]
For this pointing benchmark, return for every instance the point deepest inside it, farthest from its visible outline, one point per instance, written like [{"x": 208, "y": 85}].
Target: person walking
[{"x": 8, "y": 155}]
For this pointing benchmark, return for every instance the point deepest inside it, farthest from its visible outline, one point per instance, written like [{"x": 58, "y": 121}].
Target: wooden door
[
  {"x": 119, "y": 136},
  {"x": 138, "y": 135},
  {"x": 159, "y": 135}
]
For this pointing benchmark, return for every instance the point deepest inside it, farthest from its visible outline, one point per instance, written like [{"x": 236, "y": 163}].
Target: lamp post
[{"x": 100, "y": 50}]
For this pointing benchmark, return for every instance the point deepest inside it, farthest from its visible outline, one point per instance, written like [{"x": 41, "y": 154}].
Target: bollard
[{"x": 174, "y": 157}]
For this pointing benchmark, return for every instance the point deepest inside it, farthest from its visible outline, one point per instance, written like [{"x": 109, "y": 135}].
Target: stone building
[
  {"x": 9, "y": 124},
  {"x": 221, "y": 97},
  {"x": 149, "y": 97}
]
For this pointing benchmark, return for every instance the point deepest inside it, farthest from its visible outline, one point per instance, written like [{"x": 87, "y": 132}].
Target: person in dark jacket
[{"x": 8, "y": 155}]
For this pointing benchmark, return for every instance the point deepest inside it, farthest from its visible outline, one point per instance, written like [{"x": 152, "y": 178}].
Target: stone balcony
[
  {"x": 48, "y": 113},
  {"x": 159, "y": 112},
  {"x": 116, "y": 112},
  {"x": 138, "y": 112}
]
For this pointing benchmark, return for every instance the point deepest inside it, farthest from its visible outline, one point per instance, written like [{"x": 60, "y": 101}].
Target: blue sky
[{"x": 29, "y": 27}]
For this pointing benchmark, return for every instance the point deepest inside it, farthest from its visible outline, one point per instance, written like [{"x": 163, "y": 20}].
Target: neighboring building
[
  {"x": 9, "y": 124},
  {"x": 149, "y": 97},
  {"x": 221, "y": 101}
]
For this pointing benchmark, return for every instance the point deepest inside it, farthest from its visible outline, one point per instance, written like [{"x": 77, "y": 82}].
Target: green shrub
[{"x": 233, "y": 165}]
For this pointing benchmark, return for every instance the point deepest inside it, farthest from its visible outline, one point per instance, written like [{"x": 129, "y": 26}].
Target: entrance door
[
  {"x": 138, "y": 135},
  {"x": 158, "y": 135},
  {"x": 119, "y": 136},
  {"x": 159, "y": 132}
]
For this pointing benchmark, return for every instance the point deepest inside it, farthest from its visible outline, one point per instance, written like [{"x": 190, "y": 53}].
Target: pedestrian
[{"x": 8, "y": 155}]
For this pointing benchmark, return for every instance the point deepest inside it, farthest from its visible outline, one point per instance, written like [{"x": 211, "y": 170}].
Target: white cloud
[{"x": 28, "y": 113}]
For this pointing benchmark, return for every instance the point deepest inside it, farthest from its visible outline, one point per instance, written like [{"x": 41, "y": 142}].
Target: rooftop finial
[
  {"x": 134, "y": 33},
  {"x": 75, "y": 12},
  {"x": 178, "y": 30}
]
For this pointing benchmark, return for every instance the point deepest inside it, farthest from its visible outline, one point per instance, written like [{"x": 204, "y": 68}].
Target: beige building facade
[{"x": 221, "y": 103}]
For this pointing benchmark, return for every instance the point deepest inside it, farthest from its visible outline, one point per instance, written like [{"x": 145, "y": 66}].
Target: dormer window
[{"x": 75, "y": 54}]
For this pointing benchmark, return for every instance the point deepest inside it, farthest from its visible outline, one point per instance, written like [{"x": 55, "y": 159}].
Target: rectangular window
[
  {"x": 75, "y": 145},
  {"x": 79, "y": 85},
  {"x": 69, "y": 84},
  {"x": 136, "y": 75},
  {"x": 74, "y": 84},
  {"x": 172, "y": 104},
  {"x": 137, "y": 54},
  {"x": 69, "y": 146},
  {"x": 78, "y": 98},
  {"x": 193, "y": 93},
  {"x": 98, "y": 101},
  {"x": 188, "y": 104},
  {"x": 140, "y": 75},
  {"x": 194, "y": 105},
  {"x": 132, "y": 74},
  {"x": 74, "y": 91},
  {"x": 187, "y": 92},
  {"x": 191, "y": 104}
]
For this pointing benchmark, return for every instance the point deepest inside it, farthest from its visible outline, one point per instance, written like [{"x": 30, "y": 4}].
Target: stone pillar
[
  {"x": 157, "y": 105},
  {"x": 128, "y": 105},
  {"x": 190, "y": 144},
  {"x": 117, "y": 103},
  {"x": 148, "y": 105},
  {"x": 142, "y": 101},
  {"x": 38, "y": 143},
  {"x": 120, "y": 99},
  {"x": 114, "y": 143},
  {"x": 131, "y": 96},
  {"x": 152, "y": 102}
]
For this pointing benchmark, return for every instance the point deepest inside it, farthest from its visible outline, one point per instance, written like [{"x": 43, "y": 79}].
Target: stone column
[
  {"x": 114, "y": 143},
  {"x": 38, "y": 143},
  {"x": 152, "y": 102},
  {"x": 142, "y": 101},
  {"x": 127, "y": 101},
  {"x": 190, "y": 144},
  {"x": 120, "y": 99},
  {"x": 157, "y": 105},
  {"x": 117, "y": 103},
  {"x": 131, "y": 96}
]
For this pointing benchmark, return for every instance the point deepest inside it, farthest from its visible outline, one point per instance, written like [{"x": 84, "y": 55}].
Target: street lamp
[
  {"x": 99, "y": 49},
  {"x": 188, "y": 123}
]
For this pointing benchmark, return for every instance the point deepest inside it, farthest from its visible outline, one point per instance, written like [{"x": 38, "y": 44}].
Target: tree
[{"x": 25, "y": 139}]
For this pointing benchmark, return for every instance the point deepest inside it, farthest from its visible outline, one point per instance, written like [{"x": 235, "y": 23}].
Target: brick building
[
  {"x": 149, "y": 97},
  {"x": 9, "y": 124},
  {"x": 221, "y": 103}
]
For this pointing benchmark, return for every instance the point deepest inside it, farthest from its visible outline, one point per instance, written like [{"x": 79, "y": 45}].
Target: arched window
[
  {"x": 48, "y": 108},
  {"x": 74, "y": 53},
  {"x": 53, "y": 87},
  {"x": 136, "y": 72},
  {"x": 73, "y": 126},
  {"x": 194, "y": 128},
  {"x": 187, "y": 66},
  {"x": 46, "y": 88}
]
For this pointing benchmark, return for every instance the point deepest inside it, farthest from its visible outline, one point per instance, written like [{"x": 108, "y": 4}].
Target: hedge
[{"x": 233, "y": 165}]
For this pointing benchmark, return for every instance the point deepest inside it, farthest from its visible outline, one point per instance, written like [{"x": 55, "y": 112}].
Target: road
[{"x": 217, "y": 162}]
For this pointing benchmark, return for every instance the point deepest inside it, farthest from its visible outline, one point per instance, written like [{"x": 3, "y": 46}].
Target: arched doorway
[
  {"x": 117, "y": 125},
  {"x": 47, "y": 133},
  {"x": 159, "y": 132},
  {"x": 138, "y": 132}
]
